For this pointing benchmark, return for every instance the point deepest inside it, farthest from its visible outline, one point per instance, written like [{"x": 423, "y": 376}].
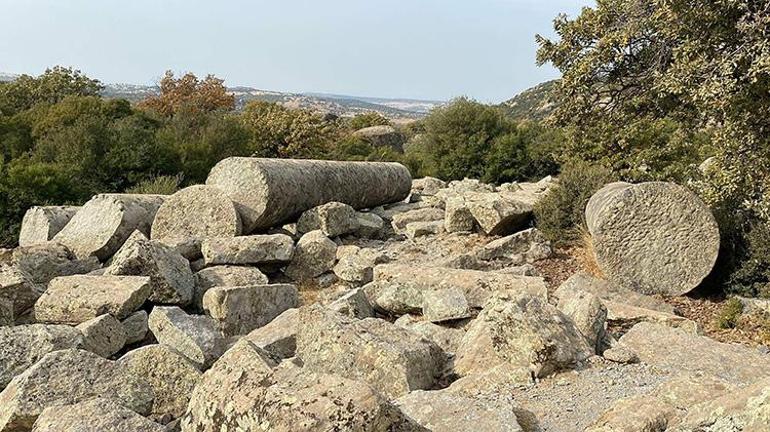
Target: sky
[{"x": 419, "y": 49}]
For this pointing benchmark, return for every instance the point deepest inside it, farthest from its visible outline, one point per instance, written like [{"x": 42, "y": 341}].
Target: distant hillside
[
  {"x": 7, "y": 77},
  {"x": 535, "y": 103}
]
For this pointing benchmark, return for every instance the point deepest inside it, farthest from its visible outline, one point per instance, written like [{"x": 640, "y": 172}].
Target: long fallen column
[{"x": 268, "y": 192}]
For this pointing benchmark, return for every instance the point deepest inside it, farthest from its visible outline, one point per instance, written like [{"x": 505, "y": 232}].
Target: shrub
[
  {"x": 730, "y": 313},
  {"x": 160, "y": 185},
  {"x": 365, "y": 120}
]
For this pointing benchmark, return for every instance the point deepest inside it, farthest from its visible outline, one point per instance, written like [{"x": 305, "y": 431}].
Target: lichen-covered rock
[
  {"x": 421, "y": 229},
  {"x": 393, "y": 298},
  {"x": 391, "y": 359},
  {"x": 103, "y": 335},
  {"x": 67, "y": 377},
  {"x": 170, "y": 276},
  {"x": 332, "y": 219},
  {"x": 445, "y": 305},
  {"x": 588, "y": 313},
  {"x": 428, "y": 214},
  {"x": 41, "y": 224},
  {"x": 6, "y": 312},
  {"x": 497, "y": 215},
  {"x": 76, "y": 299},
  {"x": 136, "y": 327},
  {"x": 354, "y": 304},
  {"x": 269, "y": 192},
  {"x": 745, "y": 410},
  {"x": 256, "y": 249},
  {"x": 427, "y": 185},
  {"x": 457, "y": 215},
  {"x": 652, "y": 237},
  {"x": 315, "y": 254},
  {"x": 239, "y": 310},
  {"x": 447, "y": 338},
  {"x": 219, "y": 276},
  {"x": 101, "y": 226},
  {"x": 46, "y": 260},
  {"x": 170, "y": 374},
  {"x": 98, "y": 414},
  {"x": 279, "y": 336},
  {"x": 196, "y": 337},
  {"x": 370, "y": 225},
  {"x": 17, "y": 288},
  {"x": 523, "y": 247},
  {"x": 22, "y": 346},
  {"x": 524, "y": 332},
  {"x": 197, "y": 212},
  {"x": 357, "y": 265}
]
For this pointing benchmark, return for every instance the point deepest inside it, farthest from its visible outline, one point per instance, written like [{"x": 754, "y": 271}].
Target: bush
[
  {"x": 365, "y": 120},
  {"x": 161, "y": 185},
  {"x": 729, "y": 314},
  {"x": 560, "y": 215}
]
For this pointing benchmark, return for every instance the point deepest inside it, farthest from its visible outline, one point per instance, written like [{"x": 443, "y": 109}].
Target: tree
[
  {"x": 51, "y": 87},
  {"x": 190, "y": 94},
  {"x": 365, "y": 120}
]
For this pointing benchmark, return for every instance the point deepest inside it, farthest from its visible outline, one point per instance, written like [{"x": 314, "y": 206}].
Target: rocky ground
[{"x": 443, "y": 312}]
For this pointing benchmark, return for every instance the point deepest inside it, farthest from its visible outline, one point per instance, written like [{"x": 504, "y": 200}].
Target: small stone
[
  {"x": 457, "y": 215},
  {"x": 421, "y": 229},
  {"x": 239, "y": 310},
  {"x": 357, "y": 264},
  {"x": 523, "y": 247},
  {"x": 353, "y": 304},
  {"x": 429, "y": 214},
  {"x": 497, "y": 215},
  {"x": 17, "y": 288},
  {"x": 314, "y": 255},
  {"x": 256, "y": 249},
  {"x": 428, "y": 185},
  {"x": 370, "y": 225},
  {"x": 136, "y": 327},
  {"x": 279, "y": 336},
  {"x": 588, "y": 313},
  {"x": 444, "y": 305},
  {"x": 103, "y": 335},
  {"x": 333, "y": 219},
  {"x": 219, "y": 276},
  {"x": 620, "y": 354},
  {"x": 196, "y": 337}
]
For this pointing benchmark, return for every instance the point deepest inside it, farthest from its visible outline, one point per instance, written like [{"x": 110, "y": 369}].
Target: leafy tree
[
  {"x": 51, "y": 87},
  {"x": 365, "y": 120},
  {"x": 188, "y": 93}
]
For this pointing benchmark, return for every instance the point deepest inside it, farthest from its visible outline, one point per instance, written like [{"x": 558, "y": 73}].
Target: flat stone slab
[
  {"x": 239, "y": 310},
  {"x": 194, "y": 336},
  {"x": 256, "y": 249}
]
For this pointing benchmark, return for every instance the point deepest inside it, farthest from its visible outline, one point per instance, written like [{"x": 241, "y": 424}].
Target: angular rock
[
  {"x": 76, "y": 299},
  {"x": 477, "y": 286},
  {"x": 746, "y": 410},
  {"x": 332, "y": 219},
  {"x": 196, "y": 337},
  {"x": 17, "y": 288},
  {"x": 469, "y": 185},
  {"x": 256, "y": 249},
  {"x": 102, "y": 225},
  {"x": 523, "y": 332},
  {"x": 357, "y": 266},
  {"x": 421, "y": 229},
  {"x": 608, "y": 292},
  {"x": 428, "y": 185},
  {"x": 41, "y": 224},
  {"x": 652, "y": 237},
  {"x": 447, "y": 338},
  {"x": 354, "y": 304},
  {"x": 136, "y": 327},
  {"x": 225, "y": 276},
  {"x": 99, "y": 414},
  {"x": 624, "y": 316},
  {"x": 445, "y": 305},
  {"x": 170, "y": 276},
  {"x": 620, "y": 354},
  {"x": 395, "y": 299},
  {"x": 46, "y": 260},
  {"x": 103, "y": 335},
  {"x": 269, "y": 192},
  {"x": 6, "y": 312},
  {"x": 22, "y": 346},
  {"x": 239, "y": 310},
  {"x": 450, "y": 412},
  {"x": 391, "y": 359},
  {"x": 369, "y": 225},
  {"x": 171, "y": 376},
  {"x": 67, "y": 377},
  {"x": 523, "y": 247},
  {"x": 457, "y": 215},
  {"x": 196, "y": 212},
  {"x": 588, "y": 313},
  {"x": 279, "y": 336},
  {"x": 314, "y": 255},
  {"x": 497, "y": 215},
  {"x": 429, "y": 214}
]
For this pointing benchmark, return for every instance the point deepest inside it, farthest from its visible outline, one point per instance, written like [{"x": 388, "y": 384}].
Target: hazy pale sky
[{"x": 425, "y": 49}]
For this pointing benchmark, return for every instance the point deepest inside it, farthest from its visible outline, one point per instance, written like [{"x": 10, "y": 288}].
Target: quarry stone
[
  {"x": 444, "y": 305},
  {"x": 332, "y": 219},
  {"x": 457, "y": 215},
  {"x": 136, "y": 327},
  {"x": 588, "y": 313},
  {"x": 314, "y": 255},
  {"x": 421, "y": 229},
  {"x": 41, "y": 223},
  {"x": 239, "y": 310},
  {"x": 428, "y": 214},
  {"x": 16, "y": 288},
  {"x": 497, "y": 215},
  {"x": 357, "y": 264},
  {"x": 194, "y": 336},
  {"x": 196, "y": 212},
  {"x": 255, "y": 249},
  {"x": 44, "y": 261},
  {"x": 98, "y": 414},
  {"x": 279, "y": 336},
  {"x": 103, "y": 335}
]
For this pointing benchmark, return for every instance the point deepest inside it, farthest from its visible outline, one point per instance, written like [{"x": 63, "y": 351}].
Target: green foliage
[
  {"x": 560, "y": 215},
  {"x": 729, "y": 314},
  {"x": 52, "y": 86},
  {"x": 360, "y": 121},
  {"x": 161, "y": 185}
]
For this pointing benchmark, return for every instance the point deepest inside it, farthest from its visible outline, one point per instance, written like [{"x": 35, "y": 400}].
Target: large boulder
[
  {"x": 170, "y": 374},
  {"x": 76, "y": 299},
  {"x": 314, "y": 255},
  {"x": 102, "y": 225},
  {"x": 279, "y": 336},
  {"x": 382, "y": 136},
  {"x": 522, "y": 331},
  {"x": 497, "y": 214},
  {"x": 221, "y": 276},
  {"x": 239, "y": 310},
  {"x": 196, "y": 212},
  {"x": 256, "y": 249},
  {"x": 41, "y": 224},
  {"x": 194, "y": 336},
  {"x": 46, "y": 260},
  {"x": 170, "y": 276},
  {"x": 333, "y": 219},
  {"x": 22, "y": 346},
  {"x": 652, "y": 237},
  {"x": 67, "y": 377},
  {"x": 103, "y": 335},
  {"x": 99, "y": 414}
]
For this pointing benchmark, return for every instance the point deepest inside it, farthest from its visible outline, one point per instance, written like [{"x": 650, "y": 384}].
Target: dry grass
[
  {"x": 309, "y": 292},
  {"x": 585, "y": 254}
]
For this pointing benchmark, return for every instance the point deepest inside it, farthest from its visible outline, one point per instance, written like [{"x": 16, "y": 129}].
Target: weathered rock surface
[
  {"x": 450, "y": 412},
  {"x": 447, "y": 338},
  {"x": 196, "y": 212},
  {"x": 523, "y": 247},
  {"x": 102, "y": 225},
  {"x": 170, "y": 276},
  {"x": 256, "y": 249},
  {"x": 444, "y": 305},
  {"x": 103, "y": 335},
  {"x": 391, "y": 359},
  {"x": 332, "y": 219},
  {"x": 524, "y": 332},
  {"x": 196, "y": 337},
  {"x": 218, "y": 276},
  {"x": 652, "y": 237},
  {"x": 279, "y": 336},
  {"x": 271, "y": 191},
  {"x": 427, "y": 186},
  {"x": 354, "y": 304},
  {"x": 357, "y": 264},
  {"x": 428, "y": 214},
  {"x": 314, "y": 255},
  {"x": 16, "y": 288},
  {"x": 745, "y": 410},
  {"x": 239, "y": 310},
  {"x": 136, "y": 327},
  {"x": 369, "y": 225},
  {"x": 99, "y": 414},
  {"x": 41, "y": 224},
  {"x": 22, "y": 346},
  {"x": 457, "y": 215},
  {"x": 66, "y": 377},
  {"x": 496, "y": 214},
  {"x": 421, "y": 229},
  {"x": 44, "y": 261},
  {"x": 588, "y": 313},
  {"x": 609, "y": 292},
  {"x": 171, "y": 376},
  {"x": 76, "y": 299}
]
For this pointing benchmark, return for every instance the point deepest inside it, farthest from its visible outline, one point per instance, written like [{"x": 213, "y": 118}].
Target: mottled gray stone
[
  {"x": 101, "y": 226},
  {"x": 44, "y": 261},
  {"x": 357, "y": 264},
  {"x": 76, "y": 299},
  {"x": 198, "y": 212},
  {"x": 17, "y": 288},
  {"x": 496, "y": 214},
  {"x": 333, "y": 219},
  {"x": 428, "y": 214},
  {"x": 620, "y": 354},
  {"x": 522, "y": 247},
  {"x": 103, "y": 335},
  {"x": 136, "y": 327},
  {"x": 224, "y": 276},
  {"x": 256, "y": 249},
  {"x": 170, "y": 276},
  {"x": 370, "y": 225},
  {"x": 428, "y": 185},
  {"x": 6, "y": 312},
  {"x": 315, "y": 254},
  {"x": 41, "y": 224},
  {"x": 268, "y": 192},
  {"x": 395, "y": 299},
  {"x": 279, "y": 336},
  {"x": 588, "y": 313},
  {"x": 354, "y": 304},
  {"x": 457, "y": 215},
  {"x": 99, "y": 414},
  {"x": 421, "y": 229},
  {"x": 194, "y": 336},
  {"x": 445, "y": 305},
  {"x": 447, "y": 338},
  {"x": 652, "y": 237},
  {"x": 239, "y": 310}
]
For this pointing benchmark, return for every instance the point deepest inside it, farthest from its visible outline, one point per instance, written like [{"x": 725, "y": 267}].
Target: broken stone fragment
[
  {"x": 370, "y": 225},
  {"x": 588, "y": 313},
  {"x": 256, "y": 249},
  {"x": 194, "y": 336},
  {"x": 239, "y": 310},
  {"x": 497, "y": 215},
  {"x": 103, "y": 335},
  {"x": 314, "y": 255},
  {"x": 447, "y": 338},
  {"x": 170, "y": 276},
  {"x": 354, "y": 304},
  {"x": 395, "y": 299},
  {"x": 428, "y": 214},
  {"x": 421, "y": 229},
  {"x": 17, "y": 288},
  {"x": 445, "y": 305},
  {"x": 41, "y": 224},
  {"x": 196, "y": 212},
  {"x": 523, "y": 247},
  {"x": 457, "y": 215},
  {"x": 427, "y": 185},
  {"x": 104, "y": 223},
  {"x": 6, "y": 312},
  {"x": 220, "y": 276},
  {"x": 357, "y": 264},
  {"x": 332, "y": 219},
  {"x": 76, "y": 299},
  {"x": 98, "y": 414},
  {"x": 279, "y": 336},
  {"x": 136, "y": 327},
  {"x": 47, "y": 260}
]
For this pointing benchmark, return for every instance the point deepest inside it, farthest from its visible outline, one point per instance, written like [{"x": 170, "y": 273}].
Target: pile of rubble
[{"x": 343, "y": 296}]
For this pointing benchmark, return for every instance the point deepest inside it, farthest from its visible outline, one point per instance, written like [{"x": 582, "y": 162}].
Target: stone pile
[{"x": 340, "y": 296}]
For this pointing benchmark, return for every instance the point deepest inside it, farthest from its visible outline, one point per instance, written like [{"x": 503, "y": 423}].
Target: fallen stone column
[
  {"x": 270, "y": 191},
  {"x": 40, "y": 224},
  {"x": 653, "y": 238}
]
